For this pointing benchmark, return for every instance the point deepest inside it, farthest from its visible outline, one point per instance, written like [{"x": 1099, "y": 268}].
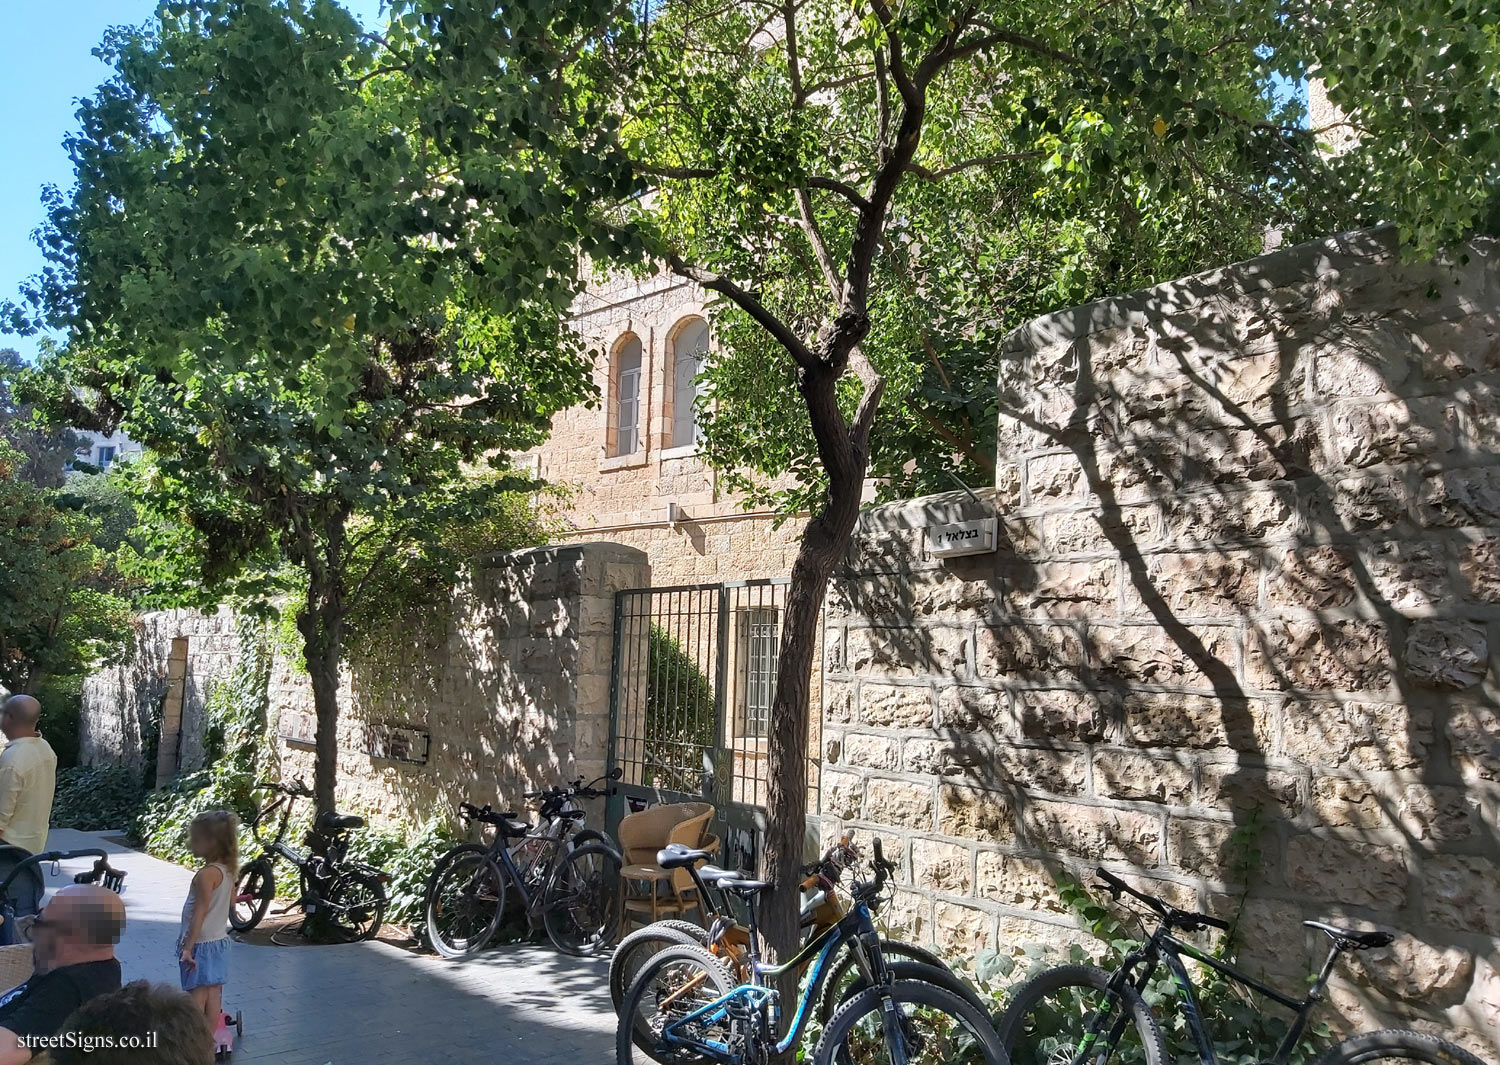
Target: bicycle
[
  {"x": 345, "y": 899},
  {"x": 1079, "y": 1013},
  {"x": 566, "y": 877},
  {"x": 730, "y": 941},
  {"x": 686, "y": 1006}
]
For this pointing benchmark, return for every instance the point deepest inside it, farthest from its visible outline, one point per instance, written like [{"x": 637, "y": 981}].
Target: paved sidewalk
[{"x": 371, "y": 1003}]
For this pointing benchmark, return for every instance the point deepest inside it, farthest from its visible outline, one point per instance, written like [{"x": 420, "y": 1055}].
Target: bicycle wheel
[
  {"x": 252, "y": 895},
  {"x": 355, "y": 904},
  {"x": 1392, "y": 1044},
  {"x": 672, "y": 985},
  {"x": 1068, "y": 1016},
  {"x": 636, "y": 949},
  {"x": 465, "y": 901},
  {"x": 912, "y": 1023},
  {"x": 845, "y": 981},
  {"x": 581, "y": 911},
  {"x": 936, "y": 975}
]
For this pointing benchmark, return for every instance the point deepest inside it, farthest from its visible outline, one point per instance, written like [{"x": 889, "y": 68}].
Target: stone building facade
[
  {"x": 1235, "y": 642},
  {"x": 631, "y": 463}
]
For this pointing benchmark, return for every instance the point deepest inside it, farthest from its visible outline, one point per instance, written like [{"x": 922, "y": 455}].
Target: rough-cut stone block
[
  {"x": 1373, "y": 501},
  {"x": 1214, "y": 850},
  {"x": 1083, "y": 532},
  {"x": 963, "y": 930},
  {"x": 843, "y": 794},
  {"x": 1061, "y": 589},
  {"x": 1461, "y": 892},
  {"x": 939, "y": 866},
  {"x": 1022, "y": 651},
  {"x": 985, "y": 710},
  {"x": 1347, "y": 871},
  {"x": 1217, "y": 517},
  {"x": 1438, "y": 812},
  {"x": 1359, "y": 735},
  {"x": 1409, "y": 575},
  {"x": 1394, "y": 432},
  {"x": 1013, "y": 881},
  {"x": 891, "y": 652},
  {"x": 1469, "y": 496},
  {"x": 1141, "y": 468},
  {"x": 1460, "y": 347},
  {"x": 976, "y": 813},
  {"x": 1097, "y": 833},
  {"x": 1480, "y": 565},
  {"x": 939, "y": 594},
  {"x": 1199, "y": 721},
  {"x": 838, "y": 702},
  {"x": 1138, "y": 777},
  {"x": 1474, "y": 737},
  {"x": 1147, "y": 654},
  {"x": 1364, "y": 359},
  {"x": 1413, "y": 971},
  {"x": 1274, "y": 792},
  {"x": 901, "y": 803},
  {"x": 1058, "y": 772},
  {"x": 1062, "y": 714},
  {"x": 870, "y": 752},
  {"x": 1052, "y": 479},
  {"x": 1342, "y": 803},
  {"x": 1447, "y": 654},
  {"x": 1198, "y": 584},
  {"x": 895, "y": 706},
  {"x": 1311, "y": 655},
  {"x": 1313, "y": 577}
]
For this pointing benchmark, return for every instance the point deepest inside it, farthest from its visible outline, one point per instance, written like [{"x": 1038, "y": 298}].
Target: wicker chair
[{"x": 641, "y": 835}]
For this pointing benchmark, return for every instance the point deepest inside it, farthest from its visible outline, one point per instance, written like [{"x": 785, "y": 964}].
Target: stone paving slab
[{"x": 370, "y": 1003}]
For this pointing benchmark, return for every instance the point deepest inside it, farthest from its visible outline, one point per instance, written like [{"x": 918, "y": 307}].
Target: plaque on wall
[
  {"x": 298, "y": 728},
  {"x": 399, "y": 743}
]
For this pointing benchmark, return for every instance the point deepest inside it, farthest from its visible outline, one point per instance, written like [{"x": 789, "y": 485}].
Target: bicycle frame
[
  {"x": 1163, "y": 948},
  {"x": 856, "y": 927}
]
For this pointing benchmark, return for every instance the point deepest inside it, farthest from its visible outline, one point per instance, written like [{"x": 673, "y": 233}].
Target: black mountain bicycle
[
  {"x": 1077, "y": 1014},
  {"x": 566, "y": 877},
  {"x": 340, "y": 899}
]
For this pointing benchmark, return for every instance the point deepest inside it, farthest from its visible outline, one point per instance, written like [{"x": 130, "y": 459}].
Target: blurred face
[{"x": 48, "y": 932}]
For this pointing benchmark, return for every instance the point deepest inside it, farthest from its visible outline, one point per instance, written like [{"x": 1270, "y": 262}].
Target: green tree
[
  {"x": 56, "y": 621},
  {"x": 257, "y": 277},
  {"x": 874, "y": 191},
  {"x": 45, "y": 450}
]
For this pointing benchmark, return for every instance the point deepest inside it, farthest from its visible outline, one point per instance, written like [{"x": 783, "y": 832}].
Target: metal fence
[{"x": 693, "y": 680}]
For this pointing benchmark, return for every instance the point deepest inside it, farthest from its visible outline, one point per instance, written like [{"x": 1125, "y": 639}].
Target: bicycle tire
[
  {"x": 636, "y": 1044},
  {"x": 581, "y": 906},
  {"x": 633, "y": 952},
  {"x": 1012, "y": 1024},
  {"x": 253, "y": 892},
  {"x": 461, "y": 947},
  {"x": 369, "y": 916},
  {"x": 1396, "y": 1043},
  {"x": 985, "y": 1048},
  {"x": 832, "y": 997},
  {"x": 938, "y": 975}
]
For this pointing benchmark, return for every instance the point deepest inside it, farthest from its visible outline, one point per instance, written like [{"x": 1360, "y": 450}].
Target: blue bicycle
[{"x": 683, "y": 1007}]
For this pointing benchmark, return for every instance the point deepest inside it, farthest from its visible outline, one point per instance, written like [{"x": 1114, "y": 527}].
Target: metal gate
[{"x": 690, "y": 696}]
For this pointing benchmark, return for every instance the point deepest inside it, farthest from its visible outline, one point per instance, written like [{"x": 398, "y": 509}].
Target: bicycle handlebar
[
  {"x": 296, "y": 788},
  {"x": 1186, "y": 920}
]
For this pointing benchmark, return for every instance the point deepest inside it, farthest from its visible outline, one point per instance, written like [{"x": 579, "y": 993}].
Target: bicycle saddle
[
  {"x": 329, "y": 821},
  {"x": 679, "y": 856},
  {"x": 1353, "y": 938}
]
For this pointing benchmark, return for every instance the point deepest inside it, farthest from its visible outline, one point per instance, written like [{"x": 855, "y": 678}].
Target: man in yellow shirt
[{"x": 28, "y": 776}]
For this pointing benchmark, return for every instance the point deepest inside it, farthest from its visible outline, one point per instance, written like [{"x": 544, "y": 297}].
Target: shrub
[
  {"x": 408, "y": 860},
  {"x": 680, "y": 718},
  {"x": 95, "y": 798}
]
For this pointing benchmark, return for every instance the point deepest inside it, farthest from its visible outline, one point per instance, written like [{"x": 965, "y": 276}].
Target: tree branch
[{"x": 984, "y": 160}]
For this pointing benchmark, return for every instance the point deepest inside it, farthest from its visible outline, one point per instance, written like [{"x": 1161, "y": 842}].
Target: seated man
[
  {"x": 166, "y": 1025},
  {"x": 73, "y": 941}
]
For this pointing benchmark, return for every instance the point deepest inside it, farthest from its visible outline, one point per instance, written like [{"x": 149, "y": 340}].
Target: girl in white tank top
[{"x": 203, "y": 944}]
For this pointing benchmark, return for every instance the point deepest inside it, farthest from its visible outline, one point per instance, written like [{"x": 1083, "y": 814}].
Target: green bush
[
  {"x": 680, "y": 717},
  {"x": 95, "y": 798},
  {"x": 408, "y": 860}
]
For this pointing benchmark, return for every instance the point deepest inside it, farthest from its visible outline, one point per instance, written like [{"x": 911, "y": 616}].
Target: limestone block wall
[
  {"x": 1236, "y": 640},
  {"x": 514, "y": 695},
  {"x": 119, "y": 703}
]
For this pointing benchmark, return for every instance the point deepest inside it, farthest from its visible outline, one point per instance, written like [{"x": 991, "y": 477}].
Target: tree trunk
[
  {"x": 823, "y": 542},
  {"x": 321, "y": 623}
]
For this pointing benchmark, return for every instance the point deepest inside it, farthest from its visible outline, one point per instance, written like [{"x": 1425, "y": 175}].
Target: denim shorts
[{"x": 212, "y": 968}]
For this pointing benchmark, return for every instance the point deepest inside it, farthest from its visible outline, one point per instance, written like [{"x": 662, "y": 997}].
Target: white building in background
[{"x": 104, "y": 450}]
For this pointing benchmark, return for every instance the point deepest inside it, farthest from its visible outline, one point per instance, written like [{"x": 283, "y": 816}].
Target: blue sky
[{"x": 46, "y": 65}]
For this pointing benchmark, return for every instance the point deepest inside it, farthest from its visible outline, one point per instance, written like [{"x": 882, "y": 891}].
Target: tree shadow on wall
[{"x": 1237, "y": 628}]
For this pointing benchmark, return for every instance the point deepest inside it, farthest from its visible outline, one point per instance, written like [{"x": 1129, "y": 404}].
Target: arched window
[
  {"x": 689, "y": 348},
  {"x": 626, "y": 412}
]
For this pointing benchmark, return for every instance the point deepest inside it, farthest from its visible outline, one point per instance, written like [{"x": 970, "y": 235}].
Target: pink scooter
[{"x": 224, "y": 1035}]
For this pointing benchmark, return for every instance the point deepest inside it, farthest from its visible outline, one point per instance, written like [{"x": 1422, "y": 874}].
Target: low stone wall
[
  {"x": 1236, "y": 639},
  {"x": 120, "y": 703}
]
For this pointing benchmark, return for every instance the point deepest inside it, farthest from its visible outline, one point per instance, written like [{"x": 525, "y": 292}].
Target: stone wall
[
  {"x": 514, "y": 696},
  {"x": 120, "y": 703},
  {"x": 1236, "y": 637}
]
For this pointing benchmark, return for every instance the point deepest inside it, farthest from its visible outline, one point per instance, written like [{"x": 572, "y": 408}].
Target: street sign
[{"x": 975, "y": 537}]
